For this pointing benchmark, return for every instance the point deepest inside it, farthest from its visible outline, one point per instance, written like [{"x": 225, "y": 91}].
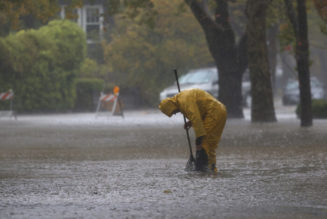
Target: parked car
[
  {"x": 291, "y": 94},
  {"x": 205, "y": 79}
]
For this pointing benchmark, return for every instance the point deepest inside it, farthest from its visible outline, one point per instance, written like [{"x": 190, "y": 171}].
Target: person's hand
[{"x": 188, "y": 125}]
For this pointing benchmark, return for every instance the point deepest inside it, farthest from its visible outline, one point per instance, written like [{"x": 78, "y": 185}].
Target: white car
[
  {"x": 204, "y": 78},
  {"x": 291, "y": 94}
]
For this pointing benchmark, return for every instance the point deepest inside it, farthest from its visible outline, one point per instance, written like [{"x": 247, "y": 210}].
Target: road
[{"x": 82, "y": 166}]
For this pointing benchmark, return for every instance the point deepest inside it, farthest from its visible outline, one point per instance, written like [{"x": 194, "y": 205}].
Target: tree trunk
[
  {"x": 300, "y": 27},
  {"x": 261, "y": 90},
  {"x": 302, "y": 57},
  {"x": 230, "y": 58}
]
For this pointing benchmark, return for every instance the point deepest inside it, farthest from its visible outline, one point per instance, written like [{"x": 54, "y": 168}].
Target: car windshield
[
  {"x": 199, "y": 76},
  {"x": 292, "y": 85}
]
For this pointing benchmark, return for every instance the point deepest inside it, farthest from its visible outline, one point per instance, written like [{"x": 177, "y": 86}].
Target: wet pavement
[{"x": 82, "y": 166}]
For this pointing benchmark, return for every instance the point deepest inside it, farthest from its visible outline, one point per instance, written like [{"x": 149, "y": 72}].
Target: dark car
[{"x": 291, "y": 94}]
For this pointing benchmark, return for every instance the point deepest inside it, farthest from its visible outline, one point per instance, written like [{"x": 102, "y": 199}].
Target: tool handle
[{"x": 187, "y": 133}]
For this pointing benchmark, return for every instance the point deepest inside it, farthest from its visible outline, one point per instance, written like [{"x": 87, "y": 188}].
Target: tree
[
  {"x": 139, "y": 51},
  {"x": 275, "y": 18},
  {"x": 22, "y": 14},
  {"x": 261, "y": 90},
  {"x": 230, "y": 56},
  {"x": 298, "y": 19}
]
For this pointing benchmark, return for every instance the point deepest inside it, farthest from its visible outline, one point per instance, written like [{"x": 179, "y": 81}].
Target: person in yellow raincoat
[{"x": 206, "y": 115}]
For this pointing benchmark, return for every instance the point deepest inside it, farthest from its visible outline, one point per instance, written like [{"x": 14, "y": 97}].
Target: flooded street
[{"x": 82, "y": 166}]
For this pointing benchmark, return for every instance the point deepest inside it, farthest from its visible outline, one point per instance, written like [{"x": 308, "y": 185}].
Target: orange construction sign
[
  {"x": 116, "y": 90},
  {"x": 110, "y": 102}
]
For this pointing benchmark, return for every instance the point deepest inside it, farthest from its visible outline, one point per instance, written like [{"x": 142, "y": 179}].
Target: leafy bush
[
  {"x": 5, "y": 104},
  {"x": 41, "y": 66},
  {"x": 319, "y": 109},
  {"x": 87, "y": 93}
]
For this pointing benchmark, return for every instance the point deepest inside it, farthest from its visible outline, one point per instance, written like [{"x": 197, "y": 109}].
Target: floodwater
[{"x": 82, "y": 166}]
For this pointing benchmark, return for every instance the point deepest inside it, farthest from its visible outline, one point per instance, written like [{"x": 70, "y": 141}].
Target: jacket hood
[{"x": 168, "y": 106}]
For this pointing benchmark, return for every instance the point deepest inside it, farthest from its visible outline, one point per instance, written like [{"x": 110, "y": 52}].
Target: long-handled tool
[{"x": 190, "y": 165}]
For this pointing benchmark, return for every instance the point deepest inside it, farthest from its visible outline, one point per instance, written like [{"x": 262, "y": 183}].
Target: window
[
  {"x": 92, "y": 15},
  {"x": 88, "y": 18},
  {"x": 199, "y": 76},
  {"x": 93, "y": 24}
]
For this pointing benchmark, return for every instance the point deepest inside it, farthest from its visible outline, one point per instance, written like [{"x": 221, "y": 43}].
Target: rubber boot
[
  {"x": 213, "y": 169},
  {"x": 201, "y": 161}
]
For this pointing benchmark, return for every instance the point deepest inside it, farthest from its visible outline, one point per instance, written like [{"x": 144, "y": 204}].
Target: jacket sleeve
[{"x": 193, "y": 114}]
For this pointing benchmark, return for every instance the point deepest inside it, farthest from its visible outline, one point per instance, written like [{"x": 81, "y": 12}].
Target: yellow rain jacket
[{"x": 207, "y": 115}]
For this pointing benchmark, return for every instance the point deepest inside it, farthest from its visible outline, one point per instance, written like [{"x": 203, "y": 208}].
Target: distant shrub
[
  {"x": 87, "y": 93},
  {"x": 41, "y": 66},
  {"x": 5, "y": 105},
  {"x": 319, "y": 109}
]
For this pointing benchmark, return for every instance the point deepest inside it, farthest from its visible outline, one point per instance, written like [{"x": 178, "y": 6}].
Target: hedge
[
  {"x": 41, "y": 66},
  {"x": 319, "y": 109},
  {"x": 87, "y": 93}
]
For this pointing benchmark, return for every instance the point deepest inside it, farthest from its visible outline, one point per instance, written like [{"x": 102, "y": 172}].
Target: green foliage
[
  {"x": 88, "y": 68},
  {"x": 22, "y": 14},
  {"x": 91, "y": 69},
  {"x": 87, "y": 93},
  {"x": 142, "y": 58},
  {"x": 142, "y": 11},
  {"x": 319, "y": 109},
  {"x": 317, "y": 29},
  {"x": 41, "y": 66},
  {"x": 323, "y": 28}
]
